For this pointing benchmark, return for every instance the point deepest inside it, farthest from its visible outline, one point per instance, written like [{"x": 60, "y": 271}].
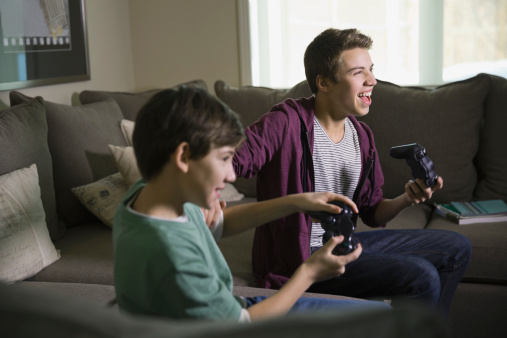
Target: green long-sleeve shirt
[{"x": 170, "y": 268}]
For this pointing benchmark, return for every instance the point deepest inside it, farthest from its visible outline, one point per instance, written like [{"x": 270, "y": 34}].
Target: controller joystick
[
  {"x": 336, "y": 225},
  {"x": 416, "y": 157}
]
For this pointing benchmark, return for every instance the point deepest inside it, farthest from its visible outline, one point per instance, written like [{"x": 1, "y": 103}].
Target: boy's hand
[
  {"x": 418, "y": 192},
  {"x": 212, "y": 215},
  {"x": 323, "y": 264},
  {"x": 319, "y": 202}
]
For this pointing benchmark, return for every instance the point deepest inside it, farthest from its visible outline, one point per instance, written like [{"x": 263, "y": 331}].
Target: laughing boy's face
[{"x": 352, "y": 93}]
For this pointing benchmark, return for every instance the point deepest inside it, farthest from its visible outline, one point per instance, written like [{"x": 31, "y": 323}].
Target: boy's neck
[
  {"x": 160, "y": 203},
  {"x": 332, "y": 122}
]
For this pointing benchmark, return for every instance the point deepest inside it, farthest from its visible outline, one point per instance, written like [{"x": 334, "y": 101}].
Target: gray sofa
[{"x": 460, "y": 124}]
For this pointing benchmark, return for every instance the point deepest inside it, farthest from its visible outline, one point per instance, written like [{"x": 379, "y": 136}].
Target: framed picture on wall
[{"x": 42, "y": 42}]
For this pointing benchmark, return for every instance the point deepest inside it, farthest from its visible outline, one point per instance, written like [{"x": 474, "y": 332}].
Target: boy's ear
[
  {"x": 182, "y": 156},
  {"x": 322, "y": 83}
]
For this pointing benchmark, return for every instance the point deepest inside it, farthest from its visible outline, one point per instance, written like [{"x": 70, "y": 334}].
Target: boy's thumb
[{"x": 333, "y": 242}]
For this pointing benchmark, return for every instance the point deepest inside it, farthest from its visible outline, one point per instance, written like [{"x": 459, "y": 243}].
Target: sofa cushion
[
  {"x": 3, "y": 106},
  {"x": 492, "y": 157},
  {"x": 102, "y": 197},
  {"x": 416, "y": 217},
  {"x": 24, "y": 312},
  {"x": 126, "y": 162},
  {"x": 488, "y": 263},
  {"x": 86, "y": 257},
  {"x": 78, "y": 138},
  {"x": 99, "y": 294},
  {"x": 129, "y": 102},
  {"x": 25, "y": 245},
  {"x": 23, "y": 141},
  {"x": 446, "y": 121},
  {"x": 250, "y": 103},
  {"x": 127, "y": 127}
]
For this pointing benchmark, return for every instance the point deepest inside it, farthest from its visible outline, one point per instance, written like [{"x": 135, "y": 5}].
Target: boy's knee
[{"x": 425, "y": 282}]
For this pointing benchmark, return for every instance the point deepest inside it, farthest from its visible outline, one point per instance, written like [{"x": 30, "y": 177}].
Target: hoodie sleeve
[{"x": 263, "y": 139}]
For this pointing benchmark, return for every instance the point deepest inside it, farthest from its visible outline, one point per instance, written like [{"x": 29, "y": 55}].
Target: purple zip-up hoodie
[{"x": 275, "y": 151}]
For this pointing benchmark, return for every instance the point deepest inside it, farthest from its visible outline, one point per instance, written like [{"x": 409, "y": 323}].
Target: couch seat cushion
[
  {"x": 86, "y": 257},
  {"x": 100, "y": 294},
  {"x": 416, "y": 217},
  {"x": 489, "y": 249}
]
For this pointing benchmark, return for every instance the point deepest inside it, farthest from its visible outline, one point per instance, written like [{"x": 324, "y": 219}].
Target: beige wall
[
  {"x": 174, "y": 41},
  {"x": 137, "y": 45}
]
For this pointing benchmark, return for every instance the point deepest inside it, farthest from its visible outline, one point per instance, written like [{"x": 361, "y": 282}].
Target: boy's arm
[
  {"x": 320, "y": 266},
  {"x": 247, "y": 216},
  {"x": 263, "y": 139},
  {"x": 415, "y": 192}
]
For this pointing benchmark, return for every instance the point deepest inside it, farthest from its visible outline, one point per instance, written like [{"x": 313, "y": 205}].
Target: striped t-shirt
[{"x": 337, "y": 167}]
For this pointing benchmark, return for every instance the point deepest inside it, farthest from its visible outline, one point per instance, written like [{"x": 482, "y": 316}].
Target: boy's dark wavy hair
[
  {"x": 182, "y": 114},
  {"x": 324, "y": 54}
]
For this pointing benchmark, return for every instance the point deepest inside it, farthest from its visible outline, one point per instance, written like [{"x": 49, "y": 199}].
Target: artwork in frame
[{"x": 42, "y": 42}]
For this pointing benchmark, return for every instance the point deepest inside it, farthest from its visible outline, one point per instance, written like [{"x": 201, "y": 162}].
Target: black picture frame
[{"x": 58, "y": 55}]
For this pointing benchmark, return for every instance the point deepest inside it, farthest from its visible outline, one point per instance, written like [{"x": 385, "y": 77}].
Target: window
[{"x": 415, "y": 42}]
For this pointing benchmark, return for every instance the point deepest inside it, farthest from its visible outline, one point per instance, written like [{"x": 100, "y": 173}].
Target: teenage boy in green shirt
[{"x": 166, "y": 260}]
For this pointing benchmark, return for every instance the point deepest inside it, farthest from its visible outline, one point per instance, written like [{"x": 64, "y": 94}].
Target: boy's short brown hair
[
  {"x": 323, "y": 54},
  {"x": 183, "y": 114}
]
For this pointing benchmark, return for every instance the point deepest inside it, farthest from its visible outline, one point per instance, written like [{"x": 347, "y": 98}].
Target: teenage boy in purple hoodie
[{"x": 316, "y": 144}]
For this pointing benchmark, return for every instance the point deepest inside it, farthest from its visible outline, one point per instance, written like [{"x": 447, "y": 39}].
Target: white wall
[
  {"x": 174, "y": 41},
  {"x": 110, "y": 54},
  {"x": 136, "y": 45}
]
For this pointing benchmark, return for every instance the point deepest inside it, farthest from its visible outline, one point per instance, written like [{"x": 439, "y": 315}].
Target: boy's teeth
[{"x": 364, "y": 94}]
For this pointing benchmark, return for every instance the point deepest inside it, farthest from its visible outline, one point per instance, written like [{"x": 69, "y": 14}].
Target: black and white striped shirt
[{"x": 337, "y": 167}]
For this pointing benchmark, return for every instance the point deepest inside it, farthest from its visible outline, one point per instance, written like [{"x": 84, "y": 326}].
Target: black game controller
[
  {"x": 418, "y": 160},
  {"x": 336, "y": 225}
]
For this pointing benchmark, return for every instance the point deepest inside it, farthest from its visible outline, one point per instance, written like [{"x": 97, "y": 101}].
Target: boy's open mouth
[{"x": 365, "y": 97}]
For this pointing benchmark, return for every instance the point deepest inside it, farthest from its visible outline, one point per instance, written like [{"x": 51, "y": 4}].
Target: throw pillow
[
  {"x": 102, "y": 197},
  {"x": 25, "y": 245},
  {"x": 129, "y": 103},
  {"x": 445, "y": 120},
  {"x": 78, "y": 137},
  {"x": 24, "y": 141},
  {"x": 126, "y": 163},
  {"x": 251, "y": 103},
  {"x": 127, "y": 128}
]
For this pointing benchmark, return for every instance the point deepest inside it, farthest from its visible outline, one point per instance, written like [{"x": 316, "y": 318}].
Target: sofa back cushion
[
  {"x": 23, "y": 141},
  {"x": 492, "y": 157},
  {"x": 445, "y": 120},
  {"x": 78, "y": 140},
  {"x": 129, "y": 102}
]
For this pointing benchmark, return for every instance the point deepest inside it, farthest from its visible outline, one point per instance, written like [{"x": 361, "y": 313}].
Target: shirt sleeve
[
  {"x": 244, "y": 317},
  {"x": 218, "y": 229}
]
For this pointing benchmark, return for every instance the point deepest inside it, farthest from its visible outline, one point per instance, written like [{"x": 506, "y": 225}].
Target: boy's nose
[{"x": 231, "y": 175}]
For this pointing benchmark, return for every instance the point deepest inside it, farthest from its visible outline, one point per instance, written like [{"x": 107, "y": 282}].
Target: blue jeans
[
  {"x": 307, "y": 304},
  {"x": 421, "y": 264}
]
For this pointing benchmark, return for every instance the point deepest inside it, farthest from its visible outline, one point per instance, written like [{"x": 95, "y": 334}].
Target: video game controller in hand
[
  {"x": 418, "y": 160},
  {"x": 336, "y": 225}
]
